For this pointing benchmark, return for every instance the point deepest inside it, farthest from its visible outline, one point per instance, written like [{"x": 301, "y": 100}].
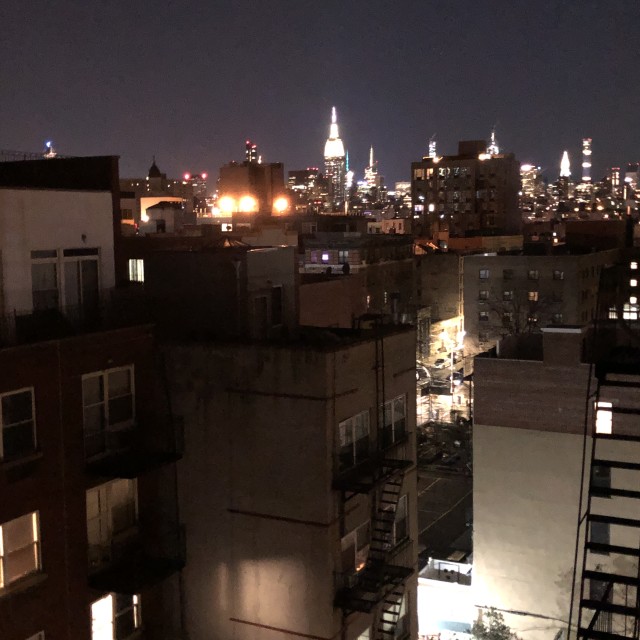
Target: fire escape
[
  {"x": 608, "y": 607},
  {"x": 382, "y": 580}
]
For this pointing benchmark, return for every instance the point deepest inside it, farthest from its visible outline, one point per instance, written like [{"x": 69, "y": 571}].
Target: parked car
[
  {"x": 456, "y": 376},
  {"x": 422, "y": 373},
  {"x": 441, "y": 363}
]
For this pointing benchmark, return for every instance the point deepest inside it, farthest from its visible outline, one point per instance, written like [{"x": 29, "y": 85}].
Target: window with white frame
[
  {"x": 604, "y": 417},
  {"x": 633, "y": 265},
  {"x": 355, "y": 548},
  {"x": 112, "y": 512},
  {"x": 17, "y": 414},
  {"x": 394, "y": 424},
  {"x": 483, "y": 274},
  {"x": 136, "y": 270},
  {"x": 19, "y": 548},
  {"x": 109, "y": 409},
  {"x": 115, "y": 616},
  {"x": 354, "y": 440},
  {"x": 533, "y": 296}
]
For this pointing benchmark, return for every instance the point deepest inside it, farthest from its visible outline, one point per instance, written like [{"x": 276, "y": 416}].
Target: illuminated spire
[
  {"x": 565, "y": 166},
  {"x": 493, "y": 149},
  {"x": 371, "y": 157},
  {"x": 432, "y": 146},
  {"x": 334, "y": 148}
]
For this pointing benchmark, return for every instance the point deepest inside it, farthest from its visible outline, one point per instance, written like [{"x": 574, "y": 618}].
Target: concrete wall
[
  {"x": 47, "y": 219},
  {"x": 333, "y": 302},
  {"x": 263, "y": 523}
]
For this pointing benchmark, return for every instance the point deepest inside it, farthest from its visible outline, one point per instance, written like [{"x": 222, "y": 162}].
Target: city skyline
[{"x": 395, "y": 74}]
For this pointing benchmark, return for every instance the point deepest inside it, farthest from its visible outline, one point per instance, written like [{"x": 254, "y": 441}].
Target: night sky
[{"x": 188, "y": 82}]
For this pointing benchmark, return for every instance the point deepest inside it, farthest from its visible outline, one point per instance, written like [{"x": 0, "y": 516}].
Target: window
[
  {"x": 633, "y": 282},
  {"x": 401, "y": 522},
  {"x": 483, "y": 316},
  {"x": 19, "y": 548},
  {"x": 483, "y": 294},
  {"x": 343, "y": 256},
  {"x": 604, "y": 417},
  {"x": 112, "y": 511},
  {"x": 507, "y": 274},
  {"x": 600, "y": 534},
  {"x": 533, "y": 296},
  {"x": 354, "y": 440},
  {"x": 484, "y": 274},
  {"x": 394, "y": 421},
  {"x": 325, "y": 257},
  {"x": 532, "y": 319},
  {"x": 136, "y": 270},
  {"x": 313, "y": 257},
  {"x": 601, "y": 476},
  {"x": 355, "y": 549},
  {"x": 115, "y": 617},
  {"x": 507, "y": 318},
  {"x": 108, "y": 410},
  {"x": 633, "y": 265},
  {"x": 18, "y": 424},
  {"x": 44, "y": 285},
  {"x": 557, "y": 318},
  {"x": 533, "y": 274},
  {"x": 558, "y": 275},
  {"x": 630, "y": 311},
  {"x": 507, "y": 296}
]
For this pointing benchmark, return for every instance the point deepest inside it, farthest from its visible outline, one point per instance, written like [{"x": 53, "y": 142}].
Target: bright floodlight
[
  {"x": 248, "y": 204},
  {"x": 280, "y": 205},
  {"x": 226, "y": 204}
]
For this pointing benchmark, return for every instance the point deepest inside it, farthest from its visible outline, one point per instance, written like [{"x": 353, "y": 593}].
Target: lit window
[
  {"x": 633, "y": 282},
  {"x": 394, "y": 421},
  {"x": 604, "y": 417},
  {"x": 354, "y": 440},
  {"x": 115, "y": 617},
  {"x": 630, "y": 311},
  {"x": 633, "y": 300},
  {"x": 484, "y": 274},
  {"x": 633, "y": 266},
  {"x": 343, "y": 256},
  {"x": 483, "y": 316},
  {"x": 325, "y": 257},
  {"x": 533, "y": 296},
  {"x": 355, "y": 549},
  {"x": 368, "y": 301},
  {"x": 18, "y": 424},
  {"x": 136, "y": 270},
  {"x": 19, "y": 548},
  {"x": 613, "y": 314},
  {"x": 108, "y": 409}
]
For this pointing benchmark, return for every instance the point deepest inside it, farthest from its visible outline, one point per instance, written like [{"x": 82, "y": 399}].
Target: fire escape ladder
[
  {"x": 390, "y": 613},
  {"x": 382, "y": 525},
  {"x": 609, "y": 602}
]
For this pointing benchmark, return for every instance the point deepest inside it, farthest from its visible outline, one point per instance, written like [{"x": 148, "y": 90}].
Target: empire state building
[{"x": 334, "y": 165}]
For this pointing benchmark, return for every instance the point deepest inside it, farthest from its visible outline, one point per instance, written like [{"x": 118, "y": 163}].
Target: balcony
[
  {"x": 364, "y": 590},
  {"x": 128, "y": 565},
  {"x": 132, "y": 451},
  {"x": 115, "y": 309},
  {"x": 370, "y": 473}
]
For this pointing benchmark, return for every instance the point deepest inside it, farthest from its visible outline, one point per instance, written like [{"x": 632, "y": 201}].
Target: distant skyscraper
[
  {"x": 371, "y": 172},
  {"x": 251, "y": 152},
  {"x": 432, "y": 146},
  {"x": 334, "y": 164},
  {"x": 493, "y": 149},
  {"x": 565, "y": 166},
  {"x": 586, "y": 160}
]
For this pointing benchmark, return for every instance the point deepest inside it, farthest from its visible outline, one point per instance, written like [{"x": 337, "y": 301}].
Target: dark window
[
  {"x": 483, "y": 295},
  {"x": 600, "y": 534},
  {"x": 18, "y": 425},
  {"x": 507, "y": 274},
  {"x": 533, "y": 274},
  {"x": 483, "y": 316},
  {"x": 558, "y": 275}
]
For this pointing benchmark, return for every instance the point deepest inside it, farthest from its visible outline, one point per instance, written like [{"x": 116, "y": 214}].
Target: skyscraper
[
  {"x": 565, "y": 166},
  {"x": 334, "y": 164},
  {"x": 586, "y": 160}
]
